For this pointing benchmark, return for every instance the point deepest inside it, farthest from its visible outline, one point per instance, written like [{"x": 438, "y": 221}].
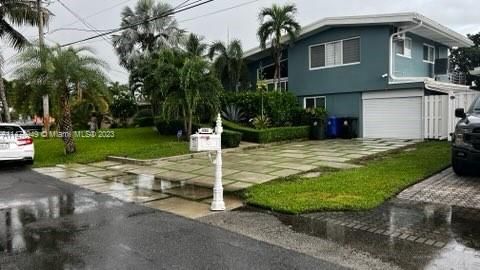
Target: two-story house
[{"x": 377, "y": 68}]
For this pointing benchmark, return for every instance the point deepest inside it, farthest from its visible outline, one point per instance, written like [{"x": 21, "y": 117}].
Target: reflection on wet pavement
[
  {"x": 16, "y": 234},
  {"x": 143, "y": 189},
  {"x": 409, "y": 234}
]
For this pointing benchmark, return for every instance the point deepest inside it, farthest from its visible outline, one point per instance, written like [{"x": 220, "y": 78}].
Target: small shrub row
[
  {"x": 271, "y": 134},
  {"x": 231, "y": 139},
  {"x": 172, "y": 127},
  {"x": 143, "y": 122},
  {"x": 144, "y": 118}
]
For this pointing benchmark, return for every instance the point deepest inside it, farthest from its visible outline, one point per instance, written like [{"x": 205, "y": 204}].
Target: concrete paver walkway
[
  {"x": 182, "y": 185},
  {"x": 446, "y": 188}
]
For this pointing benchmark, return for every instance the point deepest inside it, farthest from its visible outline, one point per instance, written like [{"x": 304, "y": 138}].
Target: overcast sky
[{"x": 240, "y": 22}]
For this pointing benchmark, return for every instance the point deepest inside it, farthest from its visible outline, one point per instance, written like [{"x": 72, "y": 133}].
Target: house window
[
  {"x": 351, "y": 51},
  {"x": 428, "y": 53},
  {"x": 315, "y": 102},
  {"x": 404, "y": 47},
  {"x": 336, "y": 53}
]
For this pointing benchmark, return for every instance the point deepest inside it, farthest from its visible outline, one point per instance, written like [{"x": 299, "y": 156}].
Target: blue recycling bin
[{"x": 333, "y": 127}]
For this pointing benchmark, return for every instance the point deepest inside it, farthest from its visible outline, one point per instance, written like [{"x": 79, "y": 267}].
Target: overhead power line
[
  {"x": 90, "y": 16},
  {"x": 82, "y": 20},
  {"x": 219, "y": 11},
  {"x": 90, "y": 27},
  {"x": 163, "y": 15}
]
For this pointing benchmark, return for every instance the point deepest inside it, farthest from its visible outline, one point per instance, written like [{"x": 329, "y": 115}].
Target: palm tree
[
  {"x": 275, "y": 22},
  {"x": 228, "y": 62},
  {"x": 16, "y": 13},
  {"x": 194, "y": 45},
  {"x": 63, "y": 71},
  {"x": 148, "y": 37},
  {"x": 198, "y": 92}
]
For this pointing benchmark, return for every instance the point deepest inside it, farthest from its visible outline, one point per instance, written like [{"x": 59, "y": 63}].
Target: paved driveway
[
  {"x": 183, "y": 185},
  {"x": 446, "y": 188},
  {"x": 48, "y": 224}
]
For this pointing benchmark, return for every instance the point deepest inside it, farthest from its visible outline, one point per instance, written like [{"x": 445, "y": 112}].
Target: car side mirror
[{"x": 460, "y": 113}]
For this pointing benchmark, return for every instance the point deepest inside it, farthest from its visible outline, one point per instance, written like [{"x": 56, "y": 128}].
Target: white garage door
[{"x": 393, "y": 117}]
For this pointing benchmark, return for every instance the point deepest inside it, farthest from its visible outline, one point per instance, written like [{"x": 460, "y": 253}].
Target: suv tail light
[{"x": 24, "y": 141}]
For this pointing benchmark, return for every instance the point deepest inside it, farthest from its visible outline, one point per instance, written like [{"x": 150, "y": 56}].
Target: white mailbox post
[{"x": 208, "y": 140}]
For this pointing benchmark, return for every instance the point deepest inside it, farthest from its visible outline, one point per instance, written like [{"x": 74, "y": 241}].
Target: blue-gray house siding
[
  {"x": 415, "y": 66},
  {"x": 342, "y": 79},
  {"x": 342, "y": 86}
]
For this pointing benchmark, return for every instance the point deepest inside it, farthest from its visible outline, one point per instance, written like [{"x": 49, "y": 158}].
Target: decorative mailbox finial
[{"x": 219, "y": 127}]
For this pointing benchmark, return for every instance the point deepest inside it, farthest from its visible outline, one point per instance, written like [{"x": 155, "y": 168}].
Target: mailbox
[{"x": 205, "y": 140}]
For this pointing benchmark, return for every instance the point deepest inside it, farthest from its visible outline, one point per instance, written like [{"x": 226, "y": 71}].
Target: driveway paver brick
[{"x": 446, "y": 188}]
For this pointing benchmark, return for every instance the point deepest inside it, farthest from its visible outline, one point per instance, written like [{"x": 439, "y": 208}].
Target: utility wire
[
  {"x": 90, "y": 16},
  {"x": 183, "y": 7},
  {"x": 96, "y": 30},
  {"x": 219, "y": 11},
  {"x": 163, "y": 15},
  {"x": 82, "y": 20}
]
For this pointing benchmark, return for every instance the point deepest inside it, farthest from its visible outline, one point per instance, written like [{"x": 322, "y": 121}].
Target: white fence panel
[
  {"x": 456, "y": 101},
  {"x": 436, "y": 117}
]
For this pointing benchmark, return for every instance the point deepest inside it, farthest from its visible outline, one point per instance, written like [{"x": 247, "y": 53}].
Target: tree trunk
[
  {"x": 3, "y": 99},
  {"x": 275, "y": 75},
  {"x": 189, "y": 130},
  {"x": 66, "y": 126},
  {"x": 278, "y": 69}
]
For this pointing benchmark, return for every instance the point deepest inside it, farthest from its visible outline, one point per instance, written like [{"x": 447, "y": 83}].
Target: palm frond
[{"x": 15, "y": 38}]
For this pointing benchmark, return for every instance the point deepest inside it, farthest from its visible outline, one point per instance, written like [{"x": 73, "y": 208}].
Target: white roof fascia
[{"x": 410, "y": 17}]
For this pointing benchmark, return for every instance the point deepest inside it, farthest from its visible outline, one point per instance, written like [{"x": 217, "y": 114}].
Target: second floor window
[
  {"x": 428, "y": 53},
  {"x": 404, "y": 47},
  {"x": 337, "y": 53}
]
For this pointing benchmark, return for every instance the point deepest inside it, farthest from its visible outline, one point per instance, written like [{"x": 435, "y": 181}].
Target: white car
[{"x": 15, "y": 144}]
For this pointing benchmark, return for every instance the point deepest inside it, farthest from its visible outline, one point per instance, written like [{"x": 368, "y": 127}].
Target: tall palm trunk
[
  {"x": 66, "y": 126},
  {"x": 3, "y": 99},
  {"x": 278, "y": 72}
]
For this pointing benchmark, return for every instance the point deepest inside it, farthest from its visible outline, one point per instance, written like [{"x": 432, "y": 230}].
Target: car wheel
[
  {"x": 459, "y": 167},
  {"x": 28, "y": 162}
]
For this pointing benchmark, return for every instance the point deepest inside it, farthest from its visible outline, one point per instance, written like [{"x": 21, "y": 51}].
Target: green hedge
[
  {"x": 231, "y": 139},
  {"x": 271, "y": 134},
  {"x": 173, "y": 126},
  {"x": 143, "y": 121}
]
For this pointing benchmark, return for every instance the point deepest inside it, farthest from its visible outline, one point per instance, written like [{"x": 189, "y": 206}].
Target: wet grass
[
  {"x": 355, "y": 189},
  {"x": 142, "y": 143}
]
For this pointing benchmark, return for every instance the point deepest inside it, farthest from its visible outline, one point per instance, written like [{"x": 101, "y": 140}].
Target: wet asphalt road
[{"x": 48, "y": 224}]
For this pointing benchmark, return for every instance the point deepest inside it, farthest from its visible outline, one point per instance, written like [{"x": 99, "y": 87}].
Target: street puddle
[
  {"x": 145, "y": 182},
  {"x": 142, "y": 188},
  {"x": 411, "y": 235}
]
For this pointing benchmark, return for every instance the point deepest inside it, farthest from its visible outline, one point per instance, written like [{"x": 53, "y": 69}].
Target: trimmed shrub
[
  {"x": 271, "y": 134},
  {"x": 143, "y": 118},
  {"x": 231, "y": 139},
  {"x": 143, "y": 121},
  {"x": 168, "y": 127},
  {"x": 173, "y": 126}
]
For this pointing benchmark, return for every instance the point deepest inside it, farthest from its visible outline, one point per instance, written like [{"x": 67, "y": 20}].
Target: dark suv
[{"x": 466, "y": 140}]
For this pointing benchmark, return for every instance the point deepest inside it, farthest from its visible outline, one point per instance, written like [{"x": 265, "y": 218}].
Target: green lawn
[
  {"x": 356, "y": 189},
  {"x": 142, "y": 143}
]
